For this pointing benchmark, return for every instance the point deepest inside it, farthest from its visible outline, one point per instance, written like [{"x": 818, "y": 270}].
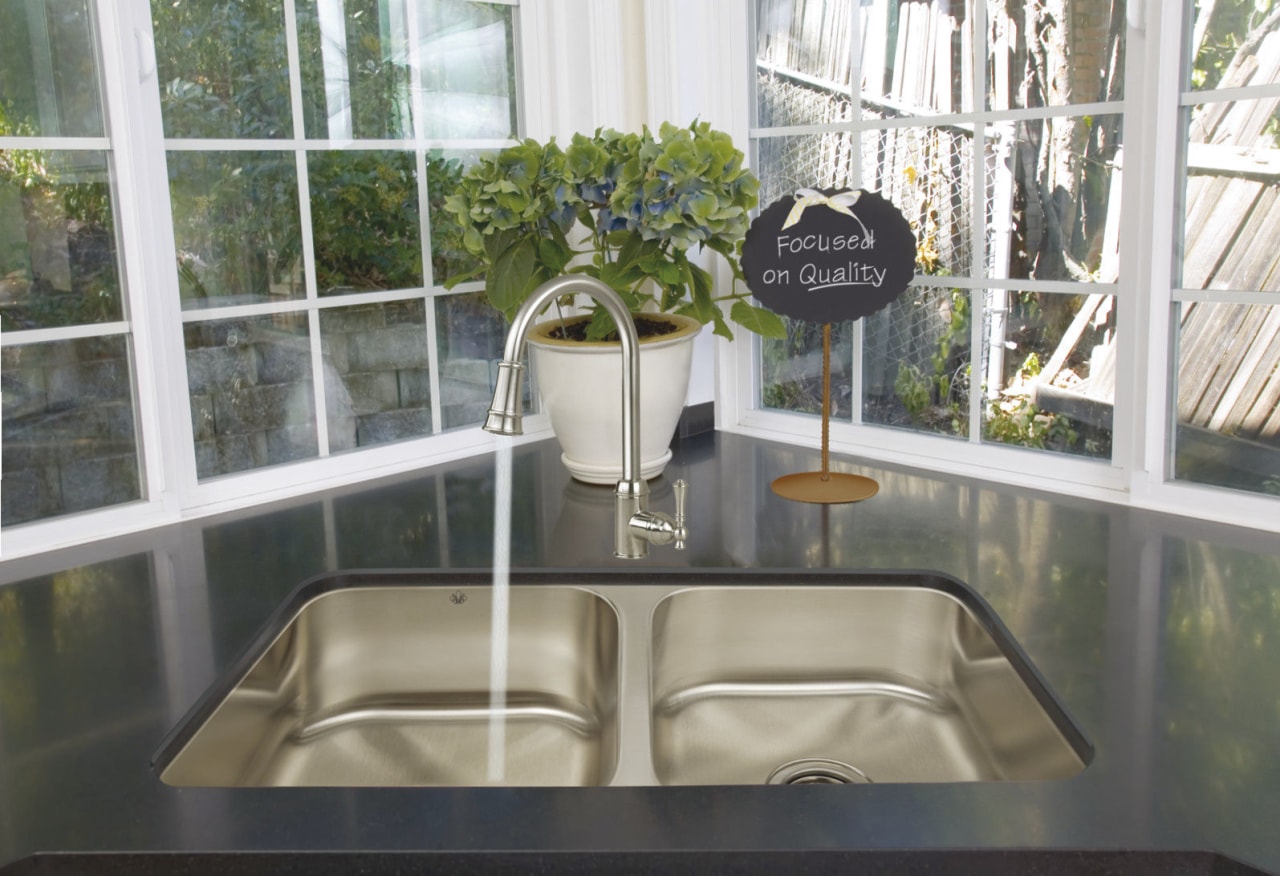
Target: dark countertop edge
[{"x": 995, "y": 862}]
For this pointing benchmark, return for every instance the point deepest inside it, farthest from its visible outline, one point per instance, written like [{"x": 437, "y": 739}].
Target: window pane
[
  {"x": 467, "y": 57},
  {"x": 448, "y": 256},
  {"x": 1228, "y": 396},
  {"x": 1218, "y": 33},
  {"x": 1055, "y": 52},
  {"x": 48, "y": 70},
  {"x": 355, "y": 69},
  {"x": 377, "y": 380},
  {"x": 252, "y": 400},
  {"x": 812, "y": 160},
  {"x": 803, "y": 62},
  {"x": 916, "y": 58},
  {"x": 1232, "y": 197},
  {"x": 791, "y": 369},
  {"x": 57, "y": 240},
  {"x": 223, "y": 68},
  {"x": 235, "y": 222},
  {"x": 1050, "y": 371},
  {"x": 364, "y": 217},
  {"x": 470, "y": 336},
  {"x": 916, "y": 362},
  {"x": 1051, "y": 211},
  {"x": 69, "y": 429},
  {"x": 927, "y": 173}
]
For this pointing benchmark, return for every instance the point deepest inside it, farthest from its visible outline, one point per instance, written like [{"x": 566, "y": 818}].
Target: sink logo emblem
[{"x": 457, "y": 597}]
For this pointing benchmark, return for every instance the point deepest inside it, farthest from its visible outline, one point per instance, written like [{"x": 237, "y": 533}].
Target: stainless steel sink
[
  {"x": 390, "y": 685},
  {"x": 896, "y": 682},
  {"x": 628, "y": 677}
]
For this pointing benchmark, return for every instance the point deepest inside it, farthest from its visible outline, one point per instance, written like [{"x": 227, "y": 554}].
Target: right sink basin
[{"x": 916, "y": 682}]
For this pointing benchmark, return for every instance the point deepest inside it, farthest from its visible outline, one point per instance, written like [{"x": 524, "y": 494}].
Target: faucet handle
[{"x": 681, "y": 490}]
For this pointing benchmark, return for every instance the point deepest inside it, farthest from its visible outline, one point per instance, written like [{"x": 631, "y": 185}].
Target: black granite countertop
[{"x": 1160, "y": 635}]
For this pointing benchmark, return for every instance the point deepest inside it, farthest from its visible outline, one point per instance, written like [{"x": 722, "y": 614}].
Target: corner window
[
  {"x": 70, "y": 420},
  {"x": 1225, "y": 429},
  {"x": 309, "y": 149},
  {"x": 1003, "y": 152}
]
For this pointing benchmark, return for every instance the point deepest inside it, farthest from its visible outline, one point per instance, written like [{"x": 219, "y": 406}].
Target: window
[
  {"x": 226, "y": 255},
  {"x": 1226, "y": 300},
  {"x": 1003, "y": 153},
  {"x": 308, "y": 158},
  {"x": 70, "y": 422},
  {"x": 1136, "y": 358}
]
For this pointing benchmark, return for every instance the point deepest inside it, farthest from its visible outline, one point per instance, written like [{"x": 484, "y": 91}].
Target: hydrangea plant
[{"x": 624, "y": 208}]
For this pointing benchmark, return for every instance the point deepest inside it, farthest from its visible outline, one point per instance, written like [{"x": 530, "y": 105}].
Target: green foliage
[
  {"x": 913, "y": 390},
  {"x": 640, "y": 201}
]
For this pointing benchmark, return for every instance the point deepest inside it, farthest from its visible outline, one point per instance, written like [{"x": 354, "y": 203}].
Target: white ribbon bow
[{"x": 812, "y": 197}]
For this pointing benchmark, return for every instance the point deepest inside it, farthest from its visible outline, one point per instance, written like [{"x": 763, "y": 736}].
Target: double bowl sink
[{"x": 627, "y": 678}]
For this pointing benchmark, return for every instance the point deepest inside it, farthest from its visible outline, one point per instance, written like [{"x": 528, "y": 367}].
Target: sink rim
[{"x": 604, "y": 582}]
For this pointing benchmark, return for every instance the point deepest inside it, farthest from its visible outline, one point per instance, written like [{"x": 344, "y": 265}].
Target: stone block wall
[{"x": 70, "y": 441}]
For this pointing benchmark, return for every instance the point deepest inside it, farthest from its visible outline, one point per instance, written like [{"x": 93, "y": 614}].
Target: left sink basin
[{"x": 390, "y": 685}]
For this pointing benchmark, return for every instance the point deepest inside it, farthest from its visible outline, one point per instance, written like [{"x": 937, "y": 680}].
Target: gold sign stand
[{"x": 825, "y": 487}]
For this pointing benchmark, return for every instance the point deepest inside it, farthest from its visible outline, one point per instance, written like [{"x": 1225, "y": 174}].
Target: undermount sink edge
[{"x": 628, "y": 677}]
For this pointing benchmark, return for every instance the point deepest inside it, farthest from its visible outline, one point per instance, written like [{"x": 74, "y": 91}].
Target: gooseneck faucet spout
[{"x": 635, "y": 527}]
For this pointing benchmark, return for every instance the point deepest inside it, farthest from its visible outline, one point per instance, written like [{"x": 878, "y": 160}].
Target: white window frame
[
  {"x": 576, "y": 60},
  {"x": 1138, "y": 474}
]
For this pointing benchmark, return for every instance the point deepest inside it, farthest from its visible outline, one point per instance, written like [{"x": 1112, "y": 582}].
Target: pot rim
[{"x": 686, "y": 327}]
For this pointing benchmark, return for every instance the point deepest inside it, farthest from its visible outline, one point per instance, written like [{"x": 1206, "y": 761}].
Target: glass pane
[
  {"x": 1050, "y": 211},
  {"x": 803, "y": 55},
  {"x": 235, "y": 222},
  {"x": 1228, "y": 396},
  {"x": 916, "y": 362},
  {"x": 469, "y": 335},
  {"x": 448, "y": 255},
  {"x": 365, "y": 221},
  {"x": 791, "y": 369},
  {"x": 57, "y": 240},
  {"x": 1232, "y": 197},
  {"x": 467, "y": 59},
  {"x": 355, "y": 69},
  {"x": 48, "y": 69},
  {"x": 785, "y": 164},
  {"x": 376, "y": 376},
  {"x": 1234, "y": 44},
  {"x": 69, "y": 428},
  {"x": 1055, "y": 54},
  {"x": 916, "y": 58},
  {"x": 1050, "y": 371},
  {"x": 928, "y": 174},
  {"x": 252, "y": 400},
  {"x": 223, "y": 68}
]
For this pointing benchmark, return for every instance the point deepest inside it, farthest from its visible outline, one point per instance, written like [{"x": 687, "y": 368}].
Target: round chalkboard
[{"x": 829, "y": 255}]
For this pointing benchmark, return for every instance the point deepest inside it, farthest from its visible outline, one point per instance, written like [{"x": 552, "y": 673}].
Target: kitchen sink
[
  {"x": 889, "y": 682},
  {"x": 390, "y": 685},
  {"x": 628, "y": 677}
]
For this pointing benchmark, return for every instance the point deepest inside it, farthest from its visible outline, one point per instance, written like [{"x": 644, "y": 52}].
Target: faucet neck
[{"x": 506, "y": 410}]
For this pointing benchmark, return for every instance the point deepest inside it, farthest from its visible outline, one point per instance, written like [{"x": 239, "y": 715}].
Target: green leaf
[
  {"x": 763, "y": 322},
  {"x": 722, "y": 328},
  {"x": 510, "y": 277},
  {"x": 554, "y": 255},
  {"x": 601, "y": 325}
]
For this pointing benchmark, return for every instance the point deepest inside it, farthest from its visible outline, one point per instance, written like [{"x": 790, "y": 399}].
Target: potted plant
[{"x": 625, "y": 209}]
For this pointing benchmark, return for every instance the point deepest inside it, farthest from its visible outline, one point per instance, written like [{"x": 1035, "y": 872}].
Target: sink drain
[{"x": 817, "y": 771}]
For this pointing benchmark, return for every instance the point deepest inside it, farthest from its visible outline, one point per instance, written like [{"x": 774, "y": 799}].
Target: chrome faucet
[{"x": 635, "y": 526}]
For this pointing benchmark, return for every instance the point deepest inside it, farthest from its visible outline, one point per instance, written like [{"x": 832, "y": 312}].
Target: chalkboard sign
[{"x": 829, "y": 255}]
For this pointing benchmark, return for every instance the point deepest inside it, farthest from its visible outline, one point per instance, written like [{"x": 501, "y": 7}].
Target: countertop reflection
[{"x": 1161, "y": 635}]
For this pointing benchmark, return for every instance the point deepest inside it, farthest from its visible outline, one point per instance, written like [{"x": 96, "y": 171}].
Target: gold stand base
[{"x": 832, "y": 488}]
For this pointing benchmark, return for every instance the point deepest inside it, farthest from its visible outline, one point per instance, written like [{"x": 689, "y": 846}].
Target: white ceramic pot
[{"x": 581, "y": 388}]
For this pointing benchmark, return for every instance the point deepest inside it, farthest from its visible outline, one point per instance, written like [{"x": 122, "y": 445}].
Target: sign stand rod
[{"x": 824, "y": 487}]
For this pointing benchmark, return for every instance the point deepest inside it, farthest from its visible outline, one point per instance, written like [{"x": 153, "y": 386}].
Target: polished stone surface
[{"x": 1161, "y": 635}]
